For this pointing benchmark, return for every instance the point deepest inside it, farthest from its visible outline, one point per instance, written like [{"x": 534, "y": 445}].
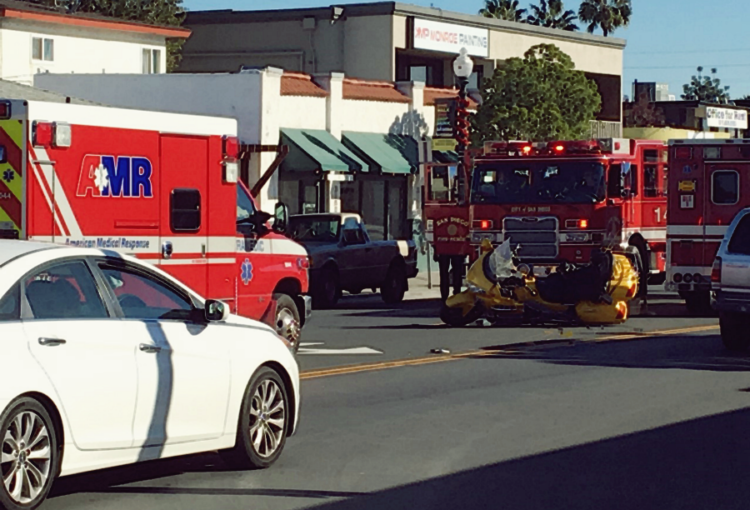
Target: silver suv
[{"x": 730, "y": 283}]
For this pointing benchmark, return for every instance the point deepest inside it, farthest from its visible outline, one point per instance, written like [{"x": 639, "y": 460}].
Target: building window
[
  {"x": 43, "y": 49},
  {"x": 151, "y": 61}
]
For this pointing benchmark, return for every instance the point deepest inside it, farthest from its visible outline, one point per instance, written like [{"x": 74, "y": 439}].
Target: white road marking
[{"x": 306, "y": 348}]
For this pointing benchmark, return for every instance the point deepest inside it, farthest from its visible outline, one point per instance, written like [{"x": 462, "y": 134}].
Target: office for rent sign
[
  {"x": 449, "y": 38},
  {"x": 726, "y": 118}
]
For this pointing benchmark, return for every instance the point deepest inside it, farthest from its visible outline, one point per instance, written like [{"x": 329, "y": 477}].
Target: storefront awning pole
[{"x": 283, "y": 150}]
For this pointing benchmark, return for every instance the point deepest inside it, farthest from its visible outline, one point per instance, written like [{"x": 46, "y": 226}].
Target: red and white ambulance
[
  {"x": 707, "y": 188},
  {"x": 160, "y": 186}
]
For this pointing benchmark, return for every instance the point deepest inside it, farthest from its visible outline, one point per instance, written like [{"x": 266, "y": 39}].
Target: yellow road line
[{"x": 410, "y": 362}]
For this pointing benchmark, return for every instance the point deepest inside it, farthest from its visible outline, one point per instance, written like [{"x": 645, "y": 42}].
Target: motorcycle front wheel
[{"x": 454, "y": 316}]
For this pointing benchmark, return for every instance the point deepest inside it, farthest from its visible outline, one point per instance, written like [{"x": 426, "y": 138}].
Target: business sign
[
  {"x": 449, "y": 38},
  {"x": 726, "y": 118},
  {"x": 444, "y": 117}
]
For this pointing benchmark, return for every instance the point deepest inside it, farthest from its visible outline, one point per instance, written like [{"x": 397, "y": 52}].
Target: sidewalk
[{"x": 418, "y": 286}]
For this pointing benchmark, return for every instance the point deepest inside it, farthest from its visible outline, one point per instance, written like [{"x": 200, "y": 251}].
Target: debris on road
[{"x": 440, "y": 351}]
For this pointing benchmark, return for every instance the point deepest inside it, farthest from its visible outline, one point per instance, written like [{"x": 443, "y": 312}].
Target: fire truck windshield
[{"x": 538, "y": 182}]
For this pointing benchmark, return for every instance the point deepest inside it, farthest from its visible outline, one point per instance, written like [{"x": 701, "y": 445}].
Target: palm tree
[
  {"x": 503, "y": 9},
  {"x": 608, "y": 15},
  {"x": 552, "y": 13}
]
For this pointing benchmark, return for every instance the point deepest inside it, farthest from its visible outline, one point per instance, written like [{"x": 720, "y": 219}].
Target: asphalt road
[{"x": 580, "y": 419}]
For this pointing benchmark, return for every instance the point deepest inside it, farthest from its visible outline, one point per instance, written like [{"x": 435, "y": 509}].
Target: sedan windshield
[
  {"x": 539, "y": 182},
  {"x": 314, "y": 228}
]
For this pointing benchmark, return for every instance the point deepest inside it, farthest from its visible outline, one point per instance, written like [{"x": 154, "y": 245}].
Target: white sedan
[{"x": 108, "y": 361}]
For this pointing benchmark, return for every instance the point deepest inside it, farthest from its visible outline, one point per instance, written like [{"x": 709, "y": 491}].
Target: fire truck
[
  {"x": 159, "y": 186},
  {"x": 705, "y": 194},
  {"x": 556, "y": 202}
]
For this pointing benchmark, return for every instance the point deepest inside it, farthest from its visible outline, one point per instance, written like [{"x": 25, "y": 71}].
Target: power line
[
  {"x": 686, "y": 52},
  {"x": 717, "y": 66}
]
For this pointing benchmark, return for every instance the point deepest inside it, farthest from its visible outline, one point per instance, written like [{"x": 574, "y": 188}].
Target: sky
[{"x": 666, "y": 40}]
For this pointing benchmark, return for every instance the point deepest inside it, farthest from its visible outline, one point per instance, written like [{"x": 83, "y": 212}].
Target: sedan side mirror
[
  {"x": 216, "y": 311},
  {"x": 281, "y": 217}
]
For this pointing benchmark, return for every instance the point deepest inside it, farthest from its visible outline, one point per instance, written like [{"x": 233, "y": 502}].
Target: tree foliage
[
  {"x": 705, "y": 88},
  {"x": 608, "y": 15},
  {"x": 539, "y": 97},
  {"x": 503, "y": 9},
  {"x": 644, "y": 113},
  {"x": 552, "y": 14},
  {"x": 153, "y": 12}
]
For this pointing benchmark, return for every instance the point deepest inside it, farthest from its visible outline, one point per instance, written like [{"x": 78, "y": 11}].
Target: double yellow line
[{"x": 411, "y": 362}]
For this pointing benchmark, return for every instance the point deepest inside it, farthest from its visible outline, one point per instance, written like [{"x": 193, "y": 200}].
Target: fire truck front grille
[{"x": 537, "y": 236}]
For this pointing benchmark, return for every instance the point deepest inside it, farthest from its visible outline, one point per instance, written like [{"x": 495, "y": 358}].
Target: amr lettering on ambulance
[{"x": 159, "y": 186}]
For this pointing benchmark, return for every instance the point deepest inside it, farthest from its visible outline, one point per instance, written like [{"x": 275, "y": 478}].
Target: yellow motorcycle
[{"x": 594, "y": 294}]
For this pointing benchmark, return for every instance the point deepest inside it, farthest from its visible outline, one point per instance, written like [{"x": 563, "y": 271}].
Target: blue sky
[{"x": 667, "y": 39}]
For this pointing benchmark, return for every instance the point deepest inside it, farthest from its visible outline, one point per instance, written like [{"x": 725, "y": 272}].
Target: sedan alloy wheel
[{"x": 267, "y": 418}]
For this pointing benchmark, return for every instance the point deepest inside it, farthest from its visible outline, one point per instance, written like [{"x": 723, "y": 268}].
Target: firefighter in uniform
[{"x": 451, "y": 268}]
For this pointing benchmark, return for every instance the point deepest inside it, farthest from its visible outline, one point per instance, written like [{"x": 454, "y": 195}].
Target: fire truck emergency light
[
  {"x": 4, "y": 110},
  {"x": 483, "y": 224}
]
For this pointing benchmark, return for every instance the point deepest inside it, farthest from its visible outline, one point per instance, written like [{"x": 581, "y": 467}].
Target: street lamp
[{"x": 462, "y": 68}]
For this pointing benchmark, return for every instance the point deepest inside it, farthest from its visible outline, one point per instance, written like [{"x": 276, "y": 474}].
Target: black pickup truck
[{"x": 342, "y": 257}]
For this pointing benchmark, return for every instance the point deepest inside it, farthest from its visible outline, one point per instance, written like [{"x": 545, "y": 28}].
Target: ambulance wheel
[
  {"x": 733, "y": 331},
  {"x": 288, "y": 322},
  {"x": 328, "y": 290}
]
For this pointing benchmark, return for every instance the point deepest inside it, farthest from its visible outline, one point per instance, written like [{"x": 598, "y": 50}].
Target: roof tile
[
  {"x": 432, "y": 93},
  {"x": 299, "y": 84},
  {"x": 368, "y": 90}
]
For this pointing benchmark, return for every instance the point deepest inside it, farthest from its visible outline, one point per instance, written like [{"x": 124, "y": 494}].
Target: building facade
[
  {"x": 391, "y": 41},
  {"x": 354, "y": 145},
  {"x": 37, "y": 39}
]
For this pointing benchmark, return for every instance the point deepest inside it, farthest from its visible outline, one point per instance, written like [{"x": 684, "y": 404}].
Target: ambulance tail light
[
  {"x": 42, "y": 134},
  {"x": 5, "y": 110},
  {"x": 52, "y": 134},
  {"x": 716, "y": 273},
  {"x": 483, "y": 224},
  {"x": 231, "y": 147}
]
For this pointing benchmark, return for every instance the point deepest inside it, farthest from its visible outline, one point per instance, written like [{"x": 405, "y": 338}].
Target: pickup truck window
[
  {"x": 324, "y": 230},
  {"x": 353, "y": 232},
  {"x": 740, "y": 242}
]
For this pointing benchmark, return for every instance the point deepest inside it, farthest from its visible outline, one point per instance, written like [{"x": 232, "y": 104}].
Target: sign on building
[
  {"x": 449, "y": 38},
  {"x": 726, "y": 118}
]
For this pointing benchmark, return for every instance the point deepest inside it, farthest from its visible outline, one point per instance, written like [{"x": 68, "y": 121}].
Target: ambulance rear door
[
  {"x": 12, "y": 162},
  {"x": 184, "y": 209}
]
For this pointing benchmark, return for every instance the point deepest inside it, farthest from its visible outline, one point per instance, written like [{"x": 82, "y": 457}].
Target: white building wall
[
  {"x": 73, "y": 54},
  {"x": 300, "y": 112},
  {"x": 225, "y": 95},
  {"x": 373, "y": 116}
]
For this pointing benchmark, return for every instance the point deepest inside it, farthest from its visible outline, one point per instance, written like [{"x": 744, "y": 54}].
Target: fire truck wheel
[
  {"x": 394, "y": 286},
  {"x": 288, "y": 319},
  {"x": 328, "y": 291},
  {"x": 733, "y": 333}
]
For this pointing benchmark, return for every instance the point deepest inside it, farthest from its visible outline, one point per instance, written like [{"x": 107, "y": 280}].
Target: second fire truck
[{"x": 556, "y": 201}]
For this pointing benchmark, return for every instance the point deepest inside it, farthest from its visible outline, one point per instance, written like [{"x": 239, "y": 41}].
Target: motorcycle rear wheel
[{"x": 454, "y": 317}]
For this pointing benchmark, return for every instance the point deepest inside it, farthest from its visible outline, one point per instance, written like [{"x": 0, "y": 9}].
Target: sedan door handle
[
  {"x": 152, "y": 349},
  {"x": 51, "y": 342}
]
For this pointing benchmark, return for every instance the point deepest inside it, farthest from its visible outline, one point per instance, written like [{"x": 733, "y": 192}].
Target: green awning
[
  {"x": 317, "y": 149},
  {"x": 386, "y": 153},
  {"x": 445, "y": 157}
]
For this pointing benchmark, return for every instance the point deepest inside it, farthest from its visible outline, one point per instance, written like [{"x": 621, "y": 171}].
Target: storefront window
[
  {"x": 373, "y": 209},
  {"x": 396, "y": 202},
  {"x": 310, "y": 199},
  {"x": 350, "y": 197},
  {"x": 289, "y": 194}
]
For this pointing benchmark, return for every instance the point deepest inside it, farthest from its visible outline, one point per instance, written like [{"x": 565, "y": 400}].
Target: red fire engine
[
  {"x": 159, "y": 186},
  {"x": 705, "y": 194},
  {"x": 557, "y": 201}
]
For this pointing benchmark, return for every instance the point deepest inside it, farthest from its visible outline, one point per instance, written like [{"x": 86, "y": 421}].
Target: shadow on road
[
  {"x": 699, "y": 352},
  {"x": 694, "y": 465}
]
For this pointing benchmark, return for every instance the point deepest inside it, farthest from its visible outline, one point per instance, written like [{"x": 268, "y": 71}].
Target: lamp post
[{"x": 462, "y": 68}]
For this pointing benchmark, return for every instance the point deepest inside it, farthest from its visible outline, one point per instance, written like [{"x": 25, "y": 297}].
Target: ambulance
[
  {"x": 707, "y": 188},
  {"x": 162, "y": 187}
]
